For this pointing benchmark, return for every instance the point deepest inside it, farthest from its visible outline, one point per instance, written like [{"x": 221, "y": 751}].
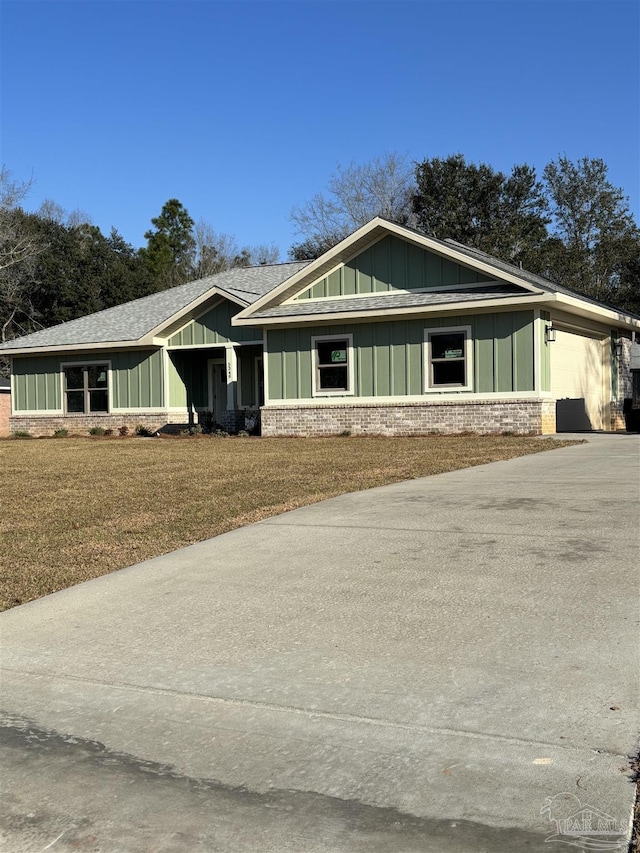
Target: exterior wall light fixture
[{"x": 549, "y": 333}]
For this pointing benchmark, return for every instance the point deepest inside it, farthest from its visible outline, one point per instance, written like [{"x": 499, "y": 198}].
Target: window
[
  {"x": 448, "y": 359},
  {"x": 86, "y": 388},
  {"x": 333, "y": 371}
]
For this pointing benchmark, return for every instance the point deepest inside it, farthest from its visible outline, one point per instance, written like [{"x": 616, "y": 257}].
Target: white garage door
[{"x": 577, "y": 381}]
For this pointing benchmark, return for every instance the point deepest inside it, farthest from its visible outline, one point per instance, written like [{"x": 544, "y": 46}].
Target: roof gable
[
  {"x": 448, "y": 269},
  {"x": 364, "y": 239},
  {"x": 136, "y": 323}
]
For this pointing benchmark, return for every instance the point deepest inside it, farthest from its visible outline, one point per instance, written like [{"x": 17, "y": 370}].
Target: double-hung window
[
  {"x": 448, "y": 357},
  {"x": 333, "y": 365},
  {"x": 86, "y": 388}
]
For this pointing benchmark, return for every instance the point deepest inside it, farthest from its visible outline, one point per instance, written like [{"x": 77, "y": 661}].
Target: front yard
[{"x": 77, "y": 508}]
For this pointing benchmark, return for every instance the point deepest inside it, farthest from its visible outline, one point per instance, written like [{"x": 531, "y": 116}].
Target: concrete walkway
[{"x": 420, "y": 667}]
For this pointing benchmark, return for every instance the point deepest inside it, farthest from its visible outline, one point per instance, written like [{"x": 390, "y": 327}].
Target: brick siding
[
  {"x": 45, "y": 425},
  {"x": 5, "y": 412},
  {"x": 624, "y": 385},
  {"x": 521, "y": 417}
]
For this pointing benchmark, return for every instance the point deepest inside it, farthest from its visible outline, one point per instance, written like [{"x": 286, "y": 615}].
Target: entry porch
[{"x": 218, "y": 387}]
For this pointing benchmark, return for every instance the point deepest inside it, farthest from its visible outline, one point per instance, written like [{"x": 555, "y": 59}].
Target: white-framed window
[
  {"x": 85, "y": 388},
  {"x": 448, "y": 353},
  {"x": 332, "y": 365}
]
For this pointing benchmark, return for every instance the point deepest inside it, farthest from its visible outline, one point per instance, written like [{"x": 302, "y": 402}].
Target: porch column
[{"x": 231, "y": 363}]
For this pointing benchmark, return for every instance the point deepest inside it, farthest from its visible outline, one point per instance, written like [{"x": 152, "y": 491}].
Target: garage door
[{"x": 577, "y": 381}]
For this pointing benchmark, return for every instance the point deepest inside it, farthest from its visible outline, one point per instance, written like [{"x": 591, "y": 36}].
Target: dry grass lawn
[{"x": 77, "y": 508}]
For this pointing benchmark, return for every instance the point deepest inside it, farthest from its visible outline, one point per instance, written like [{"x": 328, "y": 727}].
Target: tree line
[
  {"x": 570, "y": 225},
  {"x": 56, "y": 266}
]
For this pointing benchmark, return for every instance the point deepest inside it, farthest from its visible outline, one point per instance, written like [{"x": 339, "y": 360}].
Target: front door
[{"x": 217, "y": 388}]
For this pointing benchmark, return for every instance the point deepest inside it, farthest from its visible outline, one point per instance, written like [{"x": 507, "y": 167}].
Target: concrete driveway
[{"x": 448, "y": 664}]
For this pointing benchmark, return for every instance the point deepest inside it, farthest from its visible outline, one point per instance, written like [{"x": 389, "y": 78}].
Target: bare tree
[
  {"x": 19, "y": 249},
  {"x": 356, "y": 193},
  {"x": 50, "y": 209},
  {"x": 217, "y": 251}
]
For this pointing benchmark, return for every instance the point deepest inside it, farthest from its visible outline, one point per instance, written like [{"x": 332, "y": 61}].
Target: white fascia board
[
  {"x": 73, "y": 348},
  {"x": 596, "y": 312},
  {"x": 391, "y": 313}
]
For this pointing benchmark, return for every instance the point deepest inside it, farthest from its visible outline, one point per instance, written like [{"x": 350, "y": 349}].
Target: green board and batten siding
[
  {"x": 214, "y": 329},
  {"x": 389, "y": 356},
  {"x": 136, "y": 380},
  {"x": 392, "y": 264}
]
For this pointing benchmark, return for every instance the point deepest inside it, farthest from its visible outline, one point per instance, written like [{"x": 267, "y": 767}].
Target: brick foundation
[
  {"x": 46, "y": 425},
  {"x": 521, "y": 417}
]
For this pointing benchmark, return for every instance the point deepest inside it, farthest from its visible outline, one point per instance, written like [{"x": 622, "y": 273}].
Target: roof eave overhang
[
  {"x": 86, "y": 347},
  {"x": 600, "y": 313}
]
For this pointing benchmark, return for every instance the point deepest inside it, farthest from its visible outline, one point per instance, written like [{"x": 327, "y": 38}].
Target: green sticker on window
[
  {"x": 338, "y": 356},
  {"x": 453, "y": 353}
]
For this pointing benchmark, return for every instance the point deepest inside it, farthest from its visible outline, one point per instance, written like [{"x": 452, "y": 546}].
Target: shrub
[
  {"x": 108, "y": 432},
  {"x": 96, "y": 431},
  {"x": 21, "y": 433},
  {"x": 123, "y": 430},
  {"x": 345, "y": 433},
  {"x": 195, "y": 429},
  {"x": 221, "y": 433},
  {"x": 143, "y": 431},
  {"x": 243, "y": 434},
  {"x": 61, "y": 433}
]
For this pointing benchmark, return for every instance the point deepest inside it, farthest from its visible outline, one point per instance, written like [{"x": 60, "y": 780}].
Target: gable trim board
[{"x": 406, "y": 287}]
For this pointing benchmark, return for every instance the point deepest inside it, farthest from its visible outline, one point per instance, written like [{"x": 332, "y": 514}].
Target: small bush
[
  {"x": 143, "y": 431},
  {"x": 97, "y": 431},
  {"x": 61, "y": 433},
  {"x": 243, "y": 434},
  {"x": 21, "y": 433},
  {"x": 123, "y": 430},
  {"x": 195, "y": 429},
  {"x": 108, "y": 432},
  {"x": 221, "y": 433},
  {"x": 345, "y": 433}
]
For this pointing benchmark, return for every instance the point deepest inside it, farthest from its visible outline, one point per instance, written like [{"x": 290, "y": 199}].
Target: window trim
[
  {"x": 429, "y": 387},
  {"x": 82, "y": 364},
  {"x": 316, "y": 391}
]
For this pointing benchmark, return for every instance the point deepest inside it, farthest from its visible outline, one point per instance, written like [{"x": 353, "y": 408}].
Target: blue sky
[{"x": 243, "y": 109}]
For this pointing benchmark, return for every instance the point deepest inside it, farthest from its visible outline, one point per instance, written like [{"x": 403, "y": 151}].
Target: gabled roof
[
  {"x": 136, "y": 322},
  {"x": 278, "y": 306}
]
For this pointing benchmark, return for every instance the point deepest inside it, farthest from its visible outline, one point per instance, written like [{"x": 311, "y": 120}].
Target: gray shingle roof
[
  {"x": 384, "y": 301},
  {"x": 132, "y": 320}
]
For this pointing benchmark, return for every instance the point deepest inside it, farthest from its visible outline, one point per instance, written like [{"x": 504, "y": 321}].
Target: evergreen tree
[
  {"x": 170, "y": 250},
  {"x": 595, "y": 243},
  {"x": 475, "y": 205}
]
